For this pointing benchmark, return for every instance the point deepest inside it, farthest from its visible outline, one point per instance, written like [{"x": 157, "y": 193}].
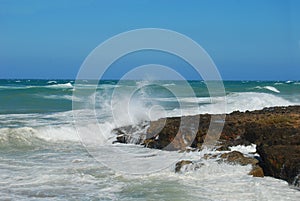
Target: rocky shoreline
[{"x": 275, "y": 131}]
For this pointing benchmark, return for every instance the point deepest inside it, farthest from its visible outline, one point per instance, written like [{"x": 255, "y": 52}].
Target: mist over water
[{"x": 42, "y": 158}]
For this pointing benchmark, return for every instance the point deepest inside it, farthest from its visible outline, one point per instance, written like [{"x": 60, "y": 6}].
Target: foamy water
[{"x": 42, "y": 156}]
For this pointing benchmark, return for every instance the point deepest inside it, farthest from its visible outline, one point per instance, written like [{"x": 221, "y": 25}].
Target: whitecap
[
  {"x": 272, "y": 89},
  {"x": 66, "y": 85},
  {"x": 66, "y": 97},
  {"x": 246, "y": 150},
  {"x": 235, "y": 101},
  {"x": 51, "y": 82},
  {"x": 167, "y": 85},
  {"x": 268, "y": 88}
]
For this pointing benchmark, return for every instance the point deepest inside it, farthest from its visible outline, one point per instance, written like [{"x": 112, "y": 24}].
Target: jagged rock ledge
[{"x": 274, "y": 130}]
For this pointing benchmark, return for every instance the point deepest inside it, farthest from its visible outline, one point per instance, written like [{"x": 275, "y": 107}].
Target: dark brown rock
[
  {"x": 180, "y": 164},
  {"x": 257, "y": 171},
  {"x": 191, "y": 165},
  {"x": 236, "y": 157},
  {"x": 281, "y": 161}
]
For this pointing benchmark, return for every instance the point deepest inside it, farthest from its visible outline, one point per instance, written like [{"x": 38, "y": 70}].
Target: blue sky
[{"x": 247, "y": 39}]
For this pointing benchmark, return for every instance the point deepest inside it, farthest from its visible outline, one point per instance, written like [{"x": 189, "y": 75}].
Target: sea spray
[{"x": 42, "y": 156}]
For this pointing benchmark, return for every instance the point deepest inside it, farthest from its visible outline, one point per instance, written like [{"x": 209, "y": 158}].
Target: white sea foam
[
  {"x": 235, "y": 101},
  {"x": 66, "y": 85},
  {"x": 167, "y": 85},
  {"x": 246, "y": 150},
  {"x": 52, "y": 82},
  {"x": 51, "y": 85},
  {"x": 271, "y": 88},
  {"x": 278, "y": 83},
  {"x": 254, "y": 101},
  {"x": 58, "y": 134},
  {"x": 186, "y": 99},
  {"x": 66, "y": 97},
  {"x": 34, "y": 136}
]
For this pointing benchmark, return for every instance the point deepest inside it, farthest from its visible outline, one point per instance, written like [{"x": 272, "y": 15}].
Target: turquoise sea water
[{"x": 42, "y": 156}]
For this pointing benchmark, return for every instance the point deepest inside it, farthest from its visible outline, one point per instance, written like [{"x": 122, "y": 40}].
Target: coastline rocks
[
  {"x": 257, "y": 171},
  {"x": 278, "y": 143},
  {"x": 236, "y": 157},
  {"x": 233, "y": 158},
  {"x": 185, "y": 165},
  {"x": 172, "y": 133},
  {"x": 180, "y": 164},
  {"x": 281, "y": 161},
  {"x": 131, "y": 134},
  {"x": 275, "y": 131}
]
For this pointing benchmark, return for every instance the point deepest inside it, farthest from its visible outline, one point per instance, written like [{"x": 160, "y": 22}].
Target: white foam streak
[
  {"x": 52, "y": 82},
  {"x": 57, "y": 134},
  {"x": 270, "y": 88},
  {"x": 246, "y": 150},
  {"x": 66, "y": 97},
  {"x": 66, "y": 85},
  {"x": 235, "y": 102}
]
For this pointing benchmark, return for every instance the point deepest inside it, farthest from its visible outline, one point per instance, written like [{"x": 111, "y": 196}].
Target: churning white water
[{"x": 42, "y": 156}]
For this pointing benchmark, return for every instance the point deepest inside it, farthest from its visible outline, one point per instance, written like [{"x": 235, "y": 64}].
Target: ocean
[{"x": 47, "y": 126}]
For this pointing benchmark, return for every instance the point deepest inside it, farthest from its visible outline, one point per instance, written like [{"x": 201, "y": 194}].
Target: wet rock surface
[
  {"x": 275, "y": 131},
  {"x": 183, "y": 165},
  {"x": 236, "y": 157}
]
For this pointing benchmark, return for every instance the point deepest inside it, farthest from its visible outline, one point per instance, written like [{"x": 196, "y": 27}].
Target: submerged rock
[
  {"x": 184, "y": 165},
  {"x": 180, "y": 164}
]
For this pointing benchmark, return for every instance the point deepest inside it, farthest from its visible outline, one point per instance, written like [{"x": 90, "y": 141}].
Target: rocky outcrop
[
  {"x": 180, "y": 164},
  {"x": 184, "y": 165},
  {"x": 281, "y": 161},
  {"x": 131, "y": 134},
  {"x": 236, "y": 157},
  {"x": 257, "y": 171},
  {"x": 233, "y": 157},
  {"x": 275, "y": 131}
]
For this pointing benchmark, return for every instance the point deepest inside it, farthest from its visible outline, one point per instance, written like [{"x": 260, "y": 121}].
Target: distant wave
[
  {"x": 235, "y": 101},
  {"x": 51, "y": 82},
  {"x": 186, "y": 99},
  {"x": 58, "y": 86},
  {"x": 66, "y": 85},
  {"x": 28, "y": 136},
  {"x": 271, "y": 88},
  {"x": 66, "y": 97},
  {"x": 167, "y": 85}
]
